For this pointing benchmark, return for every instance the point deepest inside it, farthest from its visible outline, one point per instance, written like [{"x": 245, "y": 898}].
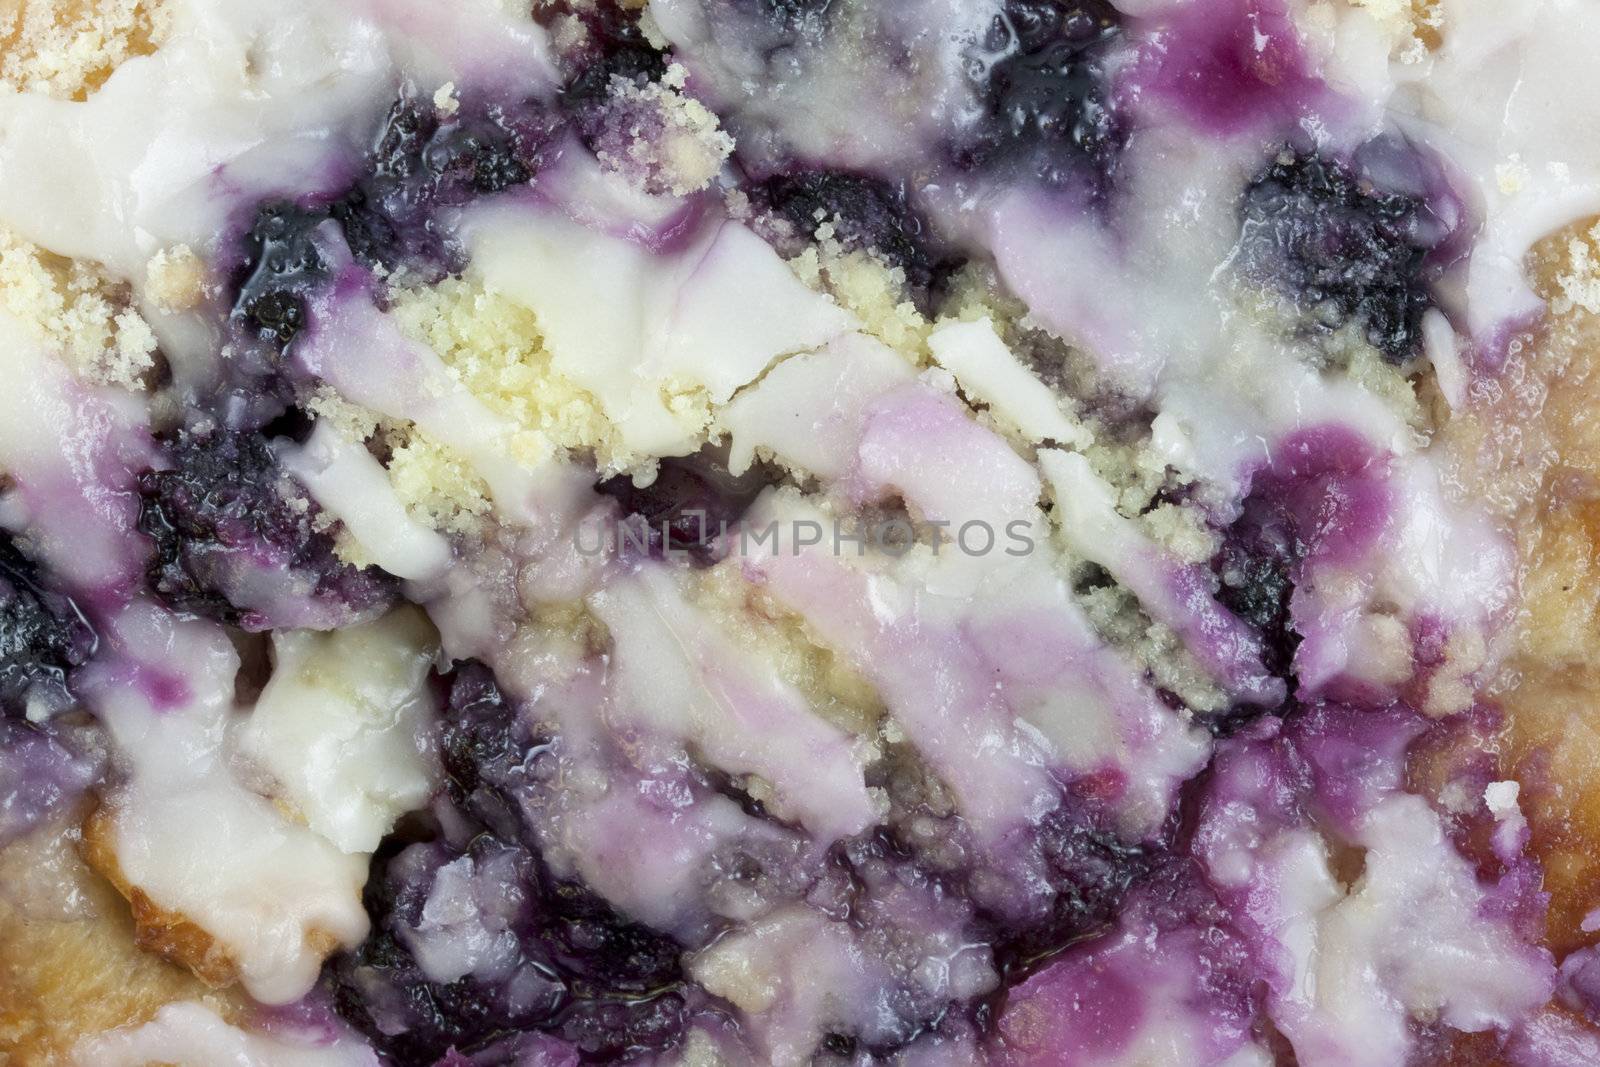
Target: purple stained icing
[
  {"x": 1172, "y": 964},
  {"x": 44, "y": 774},
  {"x": 1324, "y": 501},
  {"x": 1227, "y": 66},
  {"x": 1058, "y": 865},
  {"x": 1331, "y": 486}
]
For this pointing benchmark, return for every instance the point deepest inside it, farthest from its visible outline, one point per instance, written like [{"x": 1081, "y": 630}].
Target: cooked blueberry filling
[
  {"x": 566, "y": 963},
  {"x": 688, "y": 506},
  {"x": 615, "y": 48},
  {"x": 237, "y": 539},
  {"x": 743, "y": 800},
  {"x": 44, "y": 765},
  {"x": 555, "y": 957},
  {"x": 1047, "y": 105},
  {"x": 1256, "y": 570},
  {"x": 1343, "y": 250},
  {"x": 43, "y": 636},
  {"x": 282, "y": 265},
  {"x": 863, "y": 212},
  {"x": 1090, "y": 868},
  {"x": 419, "y": 163}
]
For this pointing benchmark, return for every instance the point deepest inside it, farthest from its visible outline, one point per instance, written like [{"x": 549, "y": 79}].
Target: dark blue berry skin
[
  {"x": 866, "y": 212},
  {"x": 224, "y": 509},
  {"x": 617, "y": 49},
  {"x": 1091, "y": 869},
  {"x": 610, "y": 988},
  {"x": 1047, "y": 110},
  {"x": 44, "y": 768},
  {"x": 1256, "y": 568},
  {"x": 420, "y": 164},
  {"x": 282, "y": 265},
  {"x": 692, "y": 499},
  {"x": 1343, "y": 250},
  {"x": 416, "y": 166},
  {"x": 43, "y": 635}
]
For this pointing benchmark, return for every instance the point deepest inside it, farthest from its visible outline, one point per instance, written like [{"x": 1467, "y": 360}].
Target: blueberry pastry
[{"x": 725, "y": 533}]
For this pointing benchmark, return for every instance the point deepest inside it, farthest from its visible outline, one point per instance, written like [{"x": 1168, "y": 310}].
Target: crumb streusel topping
[{"x": 791, "y": 532}]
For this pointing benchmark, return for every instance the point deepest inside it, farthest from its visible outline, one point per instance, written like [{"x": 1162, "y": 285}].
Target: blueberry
[
  {"x": 1046, "y": 103},
  {"x": 839, "y": 1045},
  {"x": 479, "y": 743},
  {"x": 578, "y": 971},
  {"x": 497, "y": 170},
  {"x": 418, "y": 163},
  {"x": 402, "y": 137},
  {"x": 623, "y": 53},
  {"x": 1342, "y": 249},
  {"x": 282, "y": 265},
  {"x": 582, "y": 972},
  {"x": 601, "y": 951},
  {"x": 1089, "y": 869},
  {"x": 228, "y": 522},
  {"x": 687, "y": 506},
  {"x": 611, "y": 1030},
  {"x": 1255, "y": 567},
  {"x": 43, "y": 635},
  {"x": 866, "y": 212}
]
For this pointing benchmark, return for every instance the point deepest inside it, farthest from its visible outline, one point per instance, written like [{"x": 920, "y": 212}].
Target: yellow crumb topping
[
  {"x": 1367, "y": 368},
  {"x": 1411, "y": 25},
  {"x": 175, "y": 278},
  {"x": 1183, "y": 531},
  {"x": 78, "y": 312},
  {"x": 436, "y": 485},
  {"x": 870, "y": 289},
  {"x": 1579, "y": 280},
  {"x": 834, "y": 690},
  {"x": 67, "y": 48},
  {"x": 1115, "y": 615},
  {"x": 493, "y": 346},
  {"x": 673, "y": 141}
]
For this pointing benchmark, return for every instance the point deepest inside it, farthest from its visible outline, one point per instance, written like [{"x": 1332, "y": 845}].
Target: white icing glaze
[
  {"x": 830, "y": 96},
  {"x": 672, "y": 673},
  {"x": 353, "y": 487},
  {"x": 189, "y": 1034},
  {"x": 984, "y": 660},
  {"x": 807, "y": 410},
  {"x": 341, "y": 726},
  {"x": 241, "y": 99},
  {"x": 274, "y": 894},
  {"x": 990, "y": 374},
  {"x": 704, "y": 320}
]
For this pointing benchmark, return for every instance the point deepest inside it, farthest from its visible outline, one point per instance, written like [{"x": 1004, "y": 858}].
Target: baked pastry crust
[{"x": 1529, "y": 447}]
